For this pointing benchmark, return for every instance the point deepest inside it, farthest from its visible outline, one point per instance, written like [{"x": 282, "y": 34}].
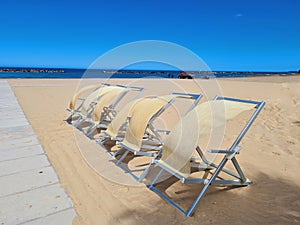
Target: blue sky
[{"x": 227, "y": 34}]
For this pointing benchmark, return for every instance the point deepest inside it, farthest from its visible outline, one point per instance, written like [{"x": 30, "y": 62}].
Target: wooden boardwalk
[{"x": 30, "y": 192}]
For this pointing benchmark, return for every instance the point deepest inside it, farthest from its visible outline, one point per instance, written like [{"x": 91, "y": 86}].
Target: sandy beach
[{"x": 270, "y": 157}]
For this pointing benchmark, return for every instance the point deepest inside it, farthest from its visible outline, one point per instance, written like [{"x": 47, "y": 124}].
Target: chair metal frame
[
  {"x": 107, "y": 113},
  {"x": 78, "y": 109},
  {"x": 152, "y": 133},
  {"x": 123, "y": 128},
  {"x": 229, "y": 155}
]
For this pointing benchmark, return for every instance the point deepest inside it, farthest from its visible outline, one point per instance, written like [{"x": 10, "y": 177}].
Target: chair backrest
[
  {"x": 140, "y": 115},
  {"x": 126, "y": 111},
  {"x": 95, "y": 96},
  {"x": 80, "y": 92},
  {"x": 106, "y": 100},
  {"x": 115, "y": 125},
  {"x": 184, "y": 138}
]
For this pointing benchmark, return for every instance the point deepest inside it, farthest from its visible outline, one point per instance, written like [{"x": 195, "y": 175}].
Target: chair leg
[
  {"x": 163, "y": 195},
  {"x": 145, "y": 172},
  {"x": 122, "y": 157},
  {"x": 156, "y": 178},
  {"x": 239, "y": 170},
  {"x": 205, "y": 188},
  {"x": 91, "y": 130},
  {"x": 78, "y": 122},
  {"x": 114, "y": 155},
  {"x": 69, "y": 119}
]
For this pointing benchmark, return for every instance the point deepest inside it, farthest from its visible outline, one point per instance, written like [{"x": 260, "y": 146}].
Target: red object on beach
[{"x": 184, "y": 75}]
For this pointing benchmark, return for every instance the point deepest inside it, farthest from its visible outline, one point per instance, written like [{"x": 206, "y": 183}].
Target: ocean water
[
  {"x": 140, "y": 74},
  {"x": 41, "y": 75}
]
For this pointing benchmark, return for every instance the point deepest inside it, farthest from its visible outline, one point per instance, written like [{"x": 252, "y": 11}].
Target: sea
[{"x": 81, "y": 73}]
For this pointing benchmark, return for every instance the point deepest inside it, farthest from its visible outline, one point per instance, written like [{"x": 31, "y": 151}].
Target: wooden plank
[
  {"x": 19, "y": 142},
  {"x": 15, "y": 132},
  {"x": 26, "y": 181},
  {"x": 30, "y": 192},
  {"x": 22, "y": 152},
  {"x": 23, "y": 164},
  {"x": 15, "y": 123},
  {"x": 61, "y": 218},
  {"x": 37, "y": 203}
]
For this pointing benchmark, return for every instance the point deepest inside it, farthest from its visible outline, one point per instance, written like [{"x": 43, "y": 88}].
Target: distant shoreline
[
  {"x": 125, "y": 71},
  {"x": 56, "y": 73}
]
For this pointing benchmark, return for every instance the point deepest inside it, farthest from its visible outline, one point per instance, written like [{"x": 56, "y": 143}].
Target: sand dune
[{"x": 270, "y": 157}]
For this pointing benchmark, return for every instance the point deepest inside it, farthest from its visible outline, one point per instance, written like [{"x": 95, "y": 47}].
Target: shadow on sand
[{"x": 267, "y": 201}]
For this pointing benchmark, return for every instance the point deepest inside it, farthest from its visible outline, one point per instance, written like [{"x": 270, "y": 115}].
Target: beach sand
[{"x": 270, "y": 157}]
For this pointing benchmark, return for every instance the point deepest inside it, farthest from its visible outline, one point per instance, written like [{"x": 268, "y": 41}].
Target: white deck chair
[
  {"x": 120, "y": 121},
  {"x": 77, "y": 100},
  {"x": 141, "y": 137},
  {"x": 105, "y": 109},
  {"x": 116, "y": 129},
  {"x": 185, "y": 137},
  {"x": 89, "y": 105},
  {"x": 92, "y": 110},
  {"x": 153, "y": 105}
]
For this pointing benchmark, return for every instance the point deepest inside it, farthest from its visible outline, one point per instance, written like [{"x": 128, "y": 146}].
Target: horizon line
[{"x": 70, "y": 68}]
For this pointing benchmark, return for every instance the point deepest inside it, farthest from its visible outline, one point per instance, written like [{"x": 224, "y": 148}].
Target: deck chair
[
  {"x": 185, "y": 137},
  {"x": 91, "y": 111},
  {"x": 142, "y": 138},
  {"x": 116, "y": 129},
  {"x": 105, "y": 109},
  {"x": 74, "y": 106}
]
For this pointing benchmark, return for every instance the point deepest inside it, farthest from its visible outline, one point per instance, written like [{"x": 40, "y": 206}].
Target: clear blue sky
[{"x": 227, "y": 34}]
